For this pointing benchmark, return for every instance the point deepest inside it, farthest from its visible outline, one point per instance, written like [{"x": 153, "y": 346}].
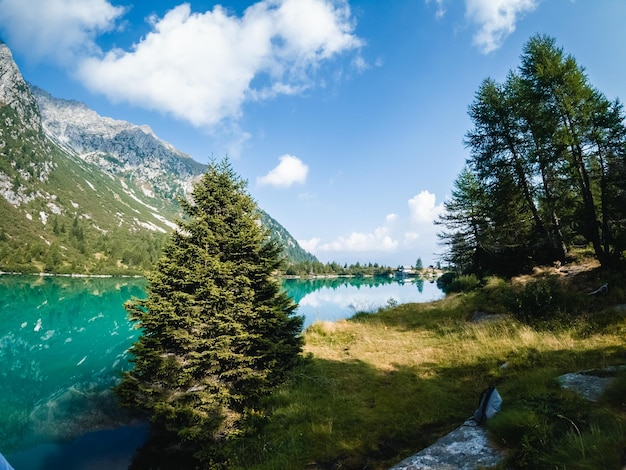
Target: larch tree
[
  {"x": 219, "y": 333},
  {"x": 588, "y": 133},
  {"x": 547, "y": 153},
  {"x": 466, "y": 222}
]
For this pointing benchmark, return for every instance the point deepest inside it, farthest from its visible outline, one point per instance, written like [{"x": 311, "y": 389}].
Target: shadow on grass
[{"x": 349, "y": 415}]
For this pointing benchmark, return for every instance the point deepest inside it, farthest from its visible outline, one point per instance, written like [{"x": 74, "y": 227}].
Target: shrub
[
  {"x": 444, "y": 281},
  {"x": 464, "y": 283},
  {"x": 544, "y": 299}
]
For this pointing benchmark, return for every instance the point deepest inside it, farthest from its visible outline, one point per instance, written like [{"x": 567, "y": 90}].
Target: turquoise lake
[{"x": 64, "y": 342}]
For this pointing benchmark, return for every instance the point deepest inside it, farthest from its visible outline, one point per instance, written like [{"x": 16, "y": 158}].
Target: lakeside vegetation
[
  {"x": 381, "y": 386},
  {"x": 315, "y": 268},
  {"x": 218, "y": 332},
  {"x": 546, "y": 170},
  {"x": 219, "y": 368},
  {"x": 546, "y": 173}
]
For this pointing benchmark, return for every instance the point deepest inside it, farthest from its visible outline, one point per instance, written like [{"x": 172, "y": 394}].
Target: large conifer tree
[
  {"x": 218, "y": 330},
  {"x": 547, "y": 151}
]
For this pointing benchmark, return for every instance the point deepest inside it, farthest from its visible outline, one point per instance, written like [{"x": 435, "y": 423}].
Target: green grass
[
  {"x": 84, "y": 233},
  {"x": 382, "y": 386}
]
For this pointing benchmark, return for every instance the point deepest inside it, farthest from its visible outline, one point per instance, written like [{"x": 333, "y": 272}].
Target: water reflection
[
  {"x": 63, "y": 344},
  {"x": 339, "y": 298}
]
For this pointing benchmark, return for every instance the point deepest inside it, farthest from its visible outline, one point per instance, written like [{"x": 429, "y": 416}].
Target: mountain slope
[
  {"x": 82, "y": 193},
  {"x": 292, "y": 250},
  {"x": 118, "y": 148}
]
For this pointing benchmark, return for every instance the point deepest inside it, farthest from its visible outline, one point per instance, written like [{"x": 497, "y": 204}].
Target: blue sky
[{"x": 346, "y": 118}]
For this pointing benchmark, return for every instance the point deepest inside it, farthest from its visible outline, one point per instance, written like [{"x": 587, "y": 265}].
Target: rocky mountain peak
[
  {"x": 83, "y": 193},
  {"x": 119, "y": 148},
  {"x": 14, "y": 91},
  {"x": 62, "y": 118}
]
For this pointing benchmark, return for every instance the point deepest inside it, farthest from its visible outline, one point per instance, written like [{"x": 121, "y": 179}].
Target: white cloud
[
  {"x": 360, "y": 64},
  {"x": 310, "y": 245},
  {"x": 59, "y": 30},
  {"x": 496, "y": 20},
  {"x": 398, "y": 236},
  {"x": 411, "y": 237},
  {"x": 232, "y": 138},
  {"x": 202, "y": 67},
  {"x": 290, "y": 170},
  {"x": 441, "y": 11},
  {"x": 423, "y": 208},
  {"x": 378, "y": 241}
]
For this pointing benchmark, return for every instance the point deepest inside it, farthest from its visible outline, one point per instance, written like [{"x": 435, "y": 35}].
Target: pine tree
[{"x": 219, "y": 333}]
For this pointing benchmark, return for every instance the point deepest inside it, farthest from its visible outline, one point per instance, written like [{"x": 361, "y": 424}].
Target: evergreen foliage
[
  {"x": 546, "y": 169},
  {"x": 61, "y": 214},
  {"x": 218, "y": 331},
  {"x": 317, "y": 268}
]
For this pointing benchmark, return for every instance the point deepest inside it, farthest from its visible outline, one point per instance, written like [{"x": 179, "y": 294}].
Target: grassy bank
[{"x": 381, "y": 386}]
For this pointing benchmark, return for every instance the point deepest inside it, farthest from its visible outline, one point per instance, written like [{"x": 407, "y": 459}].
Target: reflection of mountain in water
[{"x": 63, "y": 344}]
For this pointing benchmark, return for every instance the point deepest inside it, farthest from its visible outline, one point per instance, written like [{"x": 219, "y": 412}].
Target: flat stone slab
[
  {"x": 468, "y": 448},
  {"x": 590, "y": 384},
  {"x": 465, "y": 448}
]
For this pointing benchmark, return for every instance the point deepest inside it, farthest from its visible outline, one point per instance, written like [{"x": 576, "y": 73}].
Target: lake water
[
  {"x": 63, "y": 345},
  {"x": 338, "y": 298}
]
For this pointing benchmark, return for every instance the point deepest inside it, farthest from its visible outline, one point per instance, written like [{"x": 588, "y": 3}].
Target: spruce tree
[{"x": 219, "y": 333}]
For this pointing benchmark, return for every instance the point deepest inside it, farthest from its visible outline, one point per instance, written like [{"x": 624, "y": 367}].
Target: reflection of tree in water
[{"x": 297, "y": 289}]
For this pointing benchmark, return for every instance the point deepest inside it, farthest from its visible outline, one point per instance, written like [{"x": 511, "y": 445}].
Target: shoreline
[
  {"x": 9, "y": 273},
  {"x": 431, "y": 275}
]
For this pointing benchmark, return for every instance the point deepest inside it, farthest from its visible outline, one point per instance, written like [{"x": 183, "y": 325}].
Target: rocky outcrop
[
  {"x": 465, "y": 448},
  {"x": 21, "y": 172},
  {"x": 119, "y": 148},
  {"x": 15, "y": 92},
  {"x": 468, "y": 446},
  {"x": 590, "y": 384}
]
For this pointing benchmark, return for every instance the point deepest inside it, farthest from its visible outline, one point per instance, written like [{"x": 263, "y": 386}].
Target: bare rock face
[
  {"x": 118, "y": 148},
  {"x": 20, "y": 127},
  {"x": 14, "y": 91}
]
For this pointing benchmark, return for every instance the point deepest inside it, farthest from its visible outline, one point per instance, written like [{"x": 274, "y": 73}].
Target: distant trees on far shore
[{"x": 317, "y": 268}]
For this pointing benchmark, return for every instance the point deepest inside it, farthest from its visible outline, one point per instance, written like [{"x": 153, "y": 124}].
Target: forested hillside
[{"x": 81, "y": 193}]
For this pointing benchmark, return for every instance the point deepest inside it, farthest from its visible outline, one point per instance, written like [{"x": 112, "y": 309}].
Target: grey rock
[
  {"x": 465, "y": 448},
  {"x": 590, "y": 384},
  {"x": 15, "y": 92},
  {"x": 118, "y": 148}
]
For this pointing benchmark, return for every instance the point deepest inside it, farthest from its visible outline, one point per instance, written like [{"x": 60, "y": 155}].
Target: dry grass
[{"x": 383, "y": 385}]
